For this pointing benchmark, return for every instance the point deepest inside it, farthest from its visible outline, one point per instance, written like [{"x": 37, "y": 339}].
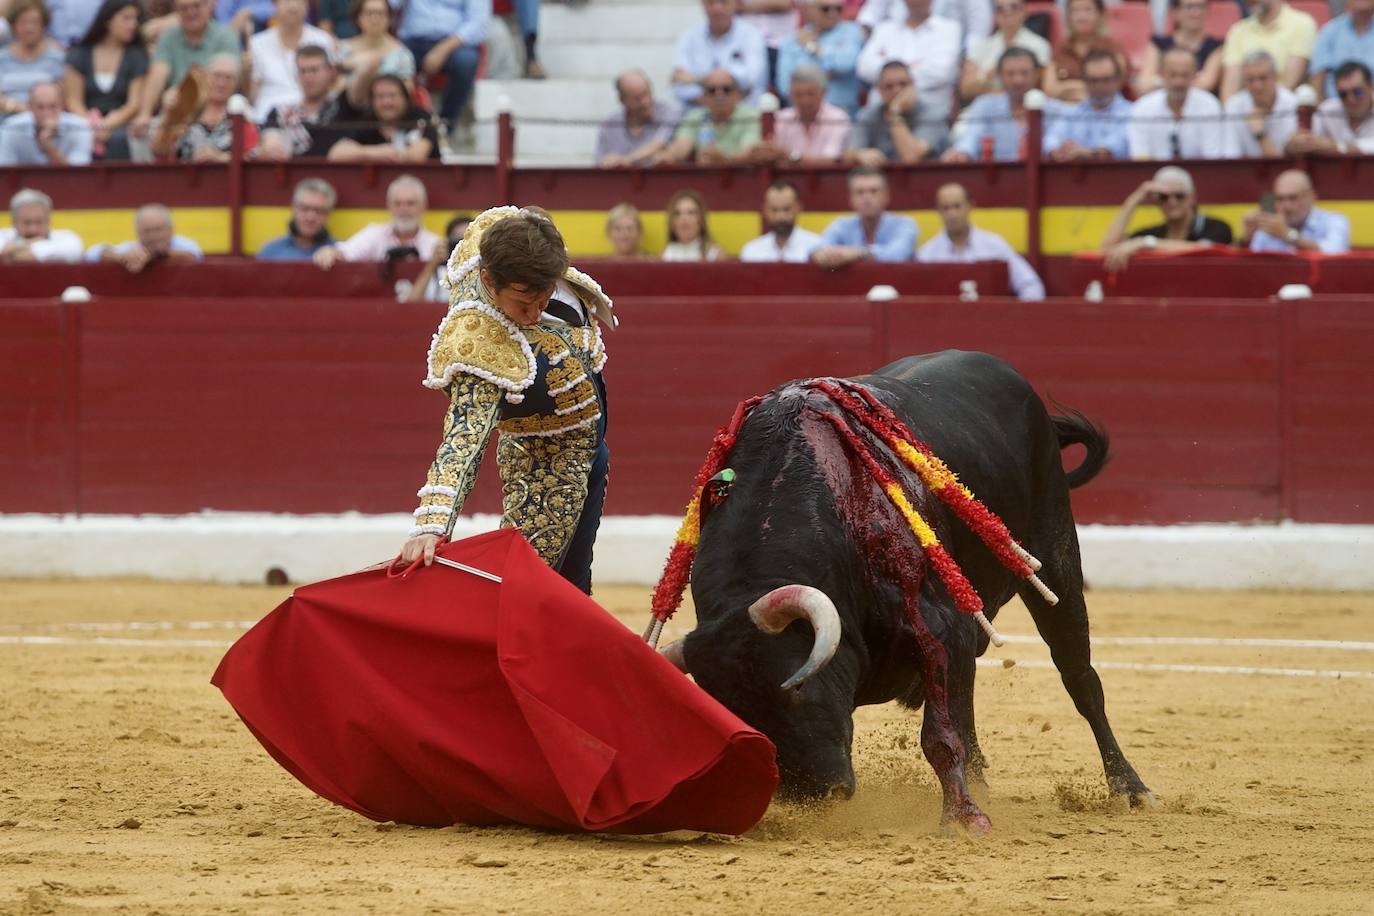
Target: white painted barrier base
[{"x": 242, "y": 547}]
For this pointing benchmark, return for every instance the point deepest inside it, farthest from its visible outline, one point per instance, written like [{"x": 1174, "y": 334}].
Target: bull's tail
[{"x": 1073, "y": 428}]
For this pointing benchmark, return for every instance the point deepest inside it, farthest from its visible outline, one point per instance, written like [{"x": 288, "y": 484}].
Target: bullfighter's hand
[{"x": 422, "y": 545}]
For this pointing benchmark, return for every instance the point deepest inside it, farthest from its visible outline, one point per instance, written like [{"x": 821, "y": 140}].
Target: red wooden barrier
[
  {"x": 1225, "y": 276},
  {"x": 1218, "y": 410}
]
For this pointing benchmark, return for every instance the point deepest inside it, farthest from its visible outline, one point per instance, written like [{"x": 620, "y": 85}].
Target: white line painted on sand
[
  {"x": 1342, "y": 645},
  {"x": 1192, "y": 669}
]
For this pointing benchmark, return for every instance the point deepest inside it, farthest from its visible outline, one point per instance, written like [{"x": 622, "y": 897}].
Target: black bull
[{"x": 803, "y": 510}]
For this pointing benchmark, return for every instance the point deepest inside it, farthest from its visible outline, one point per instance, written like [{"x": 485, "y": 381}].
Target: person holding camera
[
  {"x": 1185, "y": 227},
  {"x": 405, "y": 201}
]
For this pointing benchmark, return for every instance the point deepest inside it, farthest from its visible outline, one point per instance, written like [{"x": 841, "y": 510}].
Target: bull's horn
[
  {"x": 675, "y": 653},
  {"x": 775, "y": 610}
]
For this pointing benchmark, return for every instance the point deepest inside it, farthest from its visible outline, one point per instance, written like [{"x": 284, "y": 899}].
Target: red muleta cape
[{"x": 442, "y": 697}]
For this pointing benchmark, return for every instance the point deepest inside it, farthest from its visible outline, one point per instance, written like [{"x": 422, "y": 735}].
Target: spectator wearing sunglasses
[
  {"x": 1345, "y": 123},
  {"x": 1348, "y": 37},
  {"x": 723, "y": 41},
  {"x": 722, "y": 129},
  {"x": 832, "y": 43},
  {"x": 1185, "y": 227}
]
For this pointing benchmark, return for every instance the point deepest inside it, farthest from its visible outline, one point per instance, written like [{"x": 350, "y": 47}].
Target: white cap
[
  {"x": 238, "y": 105},
  {"x": 1035, "y": 100},
  {"x": 1306, "y": 96},
  {"x": 768, "y": 103},
  {"x": 1295, "y": 291},
  {"x": 882, "y": 293},
  {"x": 76, "y": 294}
]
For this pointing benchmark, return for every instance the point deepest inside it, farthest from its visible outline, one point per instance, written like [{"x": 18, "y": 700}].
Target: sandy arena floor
[{"x": 128, "y": 785}]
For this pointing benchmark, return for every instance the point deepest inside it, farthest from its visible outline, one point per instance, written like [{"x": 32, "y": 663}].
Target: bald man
[
  {"x": 961, "y": 242},
  {"x": 1179, "y": 121},
  {"x": 1298, "y": 225}
]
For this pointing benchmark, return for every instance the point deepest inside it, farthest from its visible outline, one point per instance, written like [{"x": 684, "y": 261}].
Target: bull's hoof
[
  {"x": 970, "y": 823},
  {"x": 1142, "y": 798}
]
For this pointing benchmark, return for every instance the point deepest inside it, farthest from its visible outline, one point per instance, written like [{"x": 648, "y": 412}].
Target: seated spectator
[
  {"x": 928, "y": 45},
  {"x": 244, "y": 17},
  {"x": 829, "y": 42},
  {"x": 961, "y": 242},
  {"x": 311, "y": 204},
  {"x": 1344, "y": 124},
  {"x": 30, "y": 237},
  {"x": 527, "y": 22},
  {"x": 446, "y": 36},
  {"x": 30, "y": 58},
  {"x": 428, "y": 286},
  {"x": 397, "y": 130},
  {"x": 973, "y": 17},
  {"x": 996, "y": 122},
  {"x": 405, "y": 231},
  {"x": 1347, "y": 37},
  {"x": 689, "y": 230},
  {"x": 725, "y": 42},
  {"x": 156, "y": 242},
  {"x": 641, "y": 130},
  {"x": 1087, "y": 32},
  {"x": 1179, "y": 121},
  {"x": 625, "y": 231},
  {"x": 895, "y": 128},
  {"x": 210, "y": 135},
  {"x": 1096, "y": 127},
  {"x": 1190, "y": 34},
  {"x": 273, "y": 52},
  {"x": 1262, "y": 117},
  {"x": 1298, "y": 225},
  {"x": 319, "y": 120},
  {"x": 372, "y": 49},
  {"x": 71, "y": 19},
  {"x": 979, "y": 75},
  {"x": 104, "y": 75},
  {"x": 335, "y": 17},
  {"x": 784, "y": 240},
  {"x": 1185, "y": 227},
  {"x": 192, "y": 42},
  {"x": 723, "y": 129},
  {"x": 1287, "y": 34},
  {"x": 870, "y": 232},
  {"x": 45, "y": 134},
  {"x": 812, "y": 131}
]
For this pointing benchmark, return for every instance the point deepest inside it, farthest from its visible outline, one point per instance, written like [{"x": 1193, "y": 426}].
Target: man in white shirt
[
  {"x": 405, "y": 201},
  {"x": 726, "y": 42},
  {"x": 974, "y": 17},
  {"x": 785, "y": 240},
  {"x": 273, "y": 52},
  {"x": 1298, "y": 226},
  {"x": 1178, "y": 121},
  {"x": 31, "y": 236},
  {"x": 961, "y": 242},
  {"x": 1262, "y": 117},
  {"x": 1344, "y": 124},
  {"x": 928, "y": 45},
  {"x": 156, "y": 242}
]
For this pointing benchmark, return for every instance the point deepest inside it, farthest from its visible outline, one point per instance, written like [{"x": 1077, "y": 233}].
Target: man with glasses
[
  {"x": 1344, "y": 124},
  {"x": 1348, "y": 37},
  {"x": 929, "y": 46},
  {"x": 721, "y": 130},
  {"x": 723, "y": 42},
  {"x": 979, "y": 75},
  {"x": 192, "y": 42},
  {"x": 1262, "y": 117},
  {"x": 1298, "y": 225},
  {"x": 830, "y": 42},
  {"x": 895, "y": 129},
  {"x": 311, "y": 203},
  {"x": 404, "y": 232},
  {"x": 1185, "y": 227},
  {"x": 1179, "y": 120},
  {"x": 1095, "y": 128}
]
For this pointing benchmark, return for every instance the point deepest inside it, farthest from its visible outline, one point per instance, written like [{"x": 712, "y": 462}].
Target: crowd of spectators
[{"x": 906, "y": 80}]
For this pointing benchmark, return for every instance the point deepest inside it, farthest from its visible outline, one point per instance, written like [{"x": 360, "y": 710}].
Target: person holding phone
[
  {"x": 1288, "y": 221},
  {"x": 1185, "y": 227}
]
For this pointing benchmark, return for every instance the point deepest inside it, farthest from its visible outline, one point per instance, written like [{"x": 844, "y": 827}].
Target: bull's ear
[{"x": 676, "y": 653}]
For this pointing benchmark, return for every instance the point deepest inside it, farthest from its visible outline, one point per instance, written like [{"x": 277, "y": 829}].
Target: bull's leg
[
  {"x": 1064, "y": 627},
  {"x": 949, "y": 694}
]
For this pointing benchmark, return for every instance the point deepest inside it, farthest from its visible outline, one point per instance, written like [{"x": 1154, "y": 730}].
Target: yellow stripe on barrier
[{"x": 209, "y": 226}]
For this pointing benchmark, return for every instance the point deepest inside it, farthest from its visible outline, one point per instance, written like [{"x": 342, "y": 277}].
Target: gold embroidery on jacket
[
  {"x": 471, "y": 417},
  {"x": 545, "y": 487}
]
